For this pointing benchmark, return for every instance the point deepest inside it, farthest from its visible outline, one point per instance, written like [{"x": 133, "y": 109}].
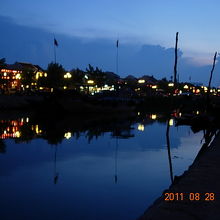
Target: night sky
[{"x": 87, "y": 31}]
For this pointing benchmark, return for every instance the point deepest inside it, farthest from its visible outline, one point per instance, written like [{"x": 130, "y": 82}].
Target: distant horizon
[{"x": 106, "y": 71}]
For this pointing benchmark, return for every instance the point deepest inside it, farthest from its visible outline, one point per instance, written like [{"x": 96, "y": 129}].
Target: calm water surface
[{"x": 113, "y": 174}]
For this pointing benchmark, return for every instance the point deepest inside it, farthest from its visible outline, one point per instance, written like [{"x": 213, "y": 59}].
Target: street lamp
[
  {"x": 171, "y": 84},
  {"x": 141, "y": 81},
  {"x": 90, "y": 81},
  {"x": 67, "y": 75}
]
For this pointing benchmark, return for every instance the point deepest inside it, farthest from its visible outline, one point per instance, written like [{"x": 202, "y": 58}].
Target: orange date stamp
[{"x": 193, "y": 196}]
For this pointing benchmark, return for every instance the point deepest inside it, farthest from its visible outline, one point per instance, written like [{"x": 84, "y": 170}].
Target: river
[{"x": 85, "y": 169}]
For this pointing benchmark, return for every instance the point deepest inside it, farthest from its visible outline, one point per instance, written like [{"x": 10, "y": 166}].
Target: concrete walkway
[{"x": 203, "y": 178}]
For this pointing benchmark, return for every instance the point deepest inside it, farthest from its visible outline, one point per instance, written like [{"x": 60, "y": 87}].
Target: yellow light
[
  {"x": 18, "y": 76},
  {"x": 139, "y": 113},
  {"x": 68, "y": 135},
  {"x": 5, "y": 74},
  {"x": 90, "y": 81},
  {"x": 141, "y": 81},
  {"x": 186, "y": 87},
  {"x": 36, "y": 129},
  {"x": 64, "y": 87},
  {"x": 140, "y": 127},
  {"x": 41, "y": 88},
  {"x": 171, "y": 122},
  {"x": 67, "y": 75},
  {"x": 27, "y": 86},
  {"x": 154, "y": 87},
  {"x": 205, "y": 88},
  {"x": 153, "y": 116},
  {"x": 45, "y": 74},
  {"x": 197, "y": 112},
  {"x": 17, "y": 134},
  {"x": 27, "y": 119},
  {"x": 37, "y": 75},
  {"x": 171, "y": 84}
]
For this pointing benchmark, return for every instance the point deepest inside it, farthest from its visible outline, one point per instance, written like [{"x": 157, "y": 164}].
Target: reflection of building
[
  {"x": 17, "y": 128},
  {"x": 10, "y": 129}
]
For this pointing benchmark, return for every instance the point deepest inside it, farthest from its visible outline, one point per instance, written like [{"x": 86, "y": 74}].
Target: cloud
[{"x": 35, "y": 45}]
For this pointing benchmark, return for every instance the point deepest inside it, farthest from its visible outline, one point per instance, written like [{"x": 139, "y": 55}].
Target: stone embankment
[{"x": 196, "y": 194}]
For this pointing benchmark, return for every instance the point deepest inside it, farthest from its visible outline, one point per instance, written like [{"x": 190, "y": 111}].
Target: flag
[
  {"x": 55, "y": 42},
  {"x": 117, "y": 43}
]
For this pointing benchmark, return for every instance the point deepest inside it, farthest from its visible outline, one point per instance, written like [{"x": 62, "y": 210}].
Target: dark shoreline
[{"x": 70, "y": 103}]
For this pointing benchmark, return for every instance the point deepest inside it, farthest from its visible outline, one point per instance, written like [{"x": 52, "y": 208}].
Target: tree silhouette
[
  {"x": 27, "y": 76},
  {"x": 2, "y": 63},
  {"x": 97, "y": 75},
  {"x": 77, "y": 77},
  {"x": 54, "y": 79}
]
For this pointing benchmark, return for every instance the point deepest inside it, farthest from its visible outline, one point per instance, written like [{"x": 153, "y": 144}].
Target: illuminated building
[{"x": 11, "y": 76}]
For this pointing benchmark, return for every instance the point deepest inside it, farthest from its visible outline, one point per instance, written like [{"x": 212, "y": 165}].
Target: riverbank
[
  {"x": 78, "y": 103},
  {"x": 203, "y": 178}
]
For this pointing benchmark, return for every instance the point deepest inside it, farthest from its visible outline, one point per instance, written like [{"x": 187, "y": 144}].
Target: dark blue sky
[{"x": 87, "y": 31}]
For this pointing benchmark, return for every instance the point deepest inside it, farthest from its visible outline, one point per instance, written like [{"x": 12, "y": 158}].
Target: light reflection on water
[{"x": 117, "y": 174}]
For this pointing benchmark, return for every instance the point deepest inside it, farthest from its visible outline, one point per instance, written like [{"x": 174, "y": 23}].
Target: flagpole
[
  {"x": 55, "y": 58},
  {"x": 117, "y": 43}
]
